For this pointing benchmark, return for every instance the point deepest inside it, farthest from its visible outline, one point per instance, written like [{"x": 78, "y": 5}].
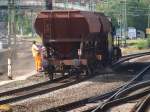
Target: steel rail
[
  {"x": 76, "y": 104},
  {"x": 22, "y": 97},
  {"x": 128, "y": 57},
  {"x": 136, "y": 78},
  {"x": 42, "y": 91},
  {"x": 10, "y": 92},
  {"x": 144, "y": 104},
  {"x": 123, "y": 100},
  {"x": 138, "y": 104},
  {"x": 133, "y": 88},
  {"x": 81, "y": 103},
  {"x": 143, "y": 53}
]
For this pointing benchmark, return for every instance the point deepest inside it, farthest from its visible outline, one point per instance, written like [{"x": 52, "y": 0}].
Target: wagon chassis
[{"x": 85, "y": 63}]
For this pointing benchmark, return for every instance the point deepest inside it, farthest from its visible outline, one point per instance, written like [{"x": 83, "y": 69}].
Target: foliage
[
  {"x": 139, "y": 43},
  {"x": 136, "y": 12},
  {"x": 27, "y": 25},
  {"x": 23, "y": 23},
  {"x": 142, "y": 44},
  {"x": 148, "y": 41},
  {"x": 114, "y": 9}
]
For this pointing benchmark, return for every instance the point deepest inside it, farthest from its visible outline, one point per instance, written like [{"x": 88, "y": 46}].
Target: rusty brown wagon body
[{"x": 75, "y": 36}]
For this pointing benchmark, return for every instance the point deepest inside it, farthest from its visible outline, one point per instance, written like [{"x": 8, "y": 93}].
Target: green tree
[
  {"x": 136, "y": 12},
  {"x": 23, "y": 23}
]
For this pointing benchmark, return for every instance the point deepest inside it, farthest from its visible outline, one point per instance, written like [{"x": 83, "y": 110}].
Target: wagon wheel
[
  {"x": 91, "y": 65},
  {"x": 62, "y": 69},
  {"x": 51, "y": 75},
  {"x": 51, "y": 71},
  {"x": 90, "y": 68},
  {"x": 89, "y": 71}
]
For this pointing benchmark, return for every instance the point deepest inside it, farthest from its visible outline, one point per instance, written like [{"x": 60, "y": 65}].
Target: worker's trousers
[{"x": 38, "y": 63}]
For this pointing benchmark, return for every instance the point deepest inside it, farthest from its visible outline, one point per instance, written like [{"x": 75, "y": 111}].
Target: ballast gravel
[
  {"x": 24, "y": 83},
  {"x": 93, "y": 87}
]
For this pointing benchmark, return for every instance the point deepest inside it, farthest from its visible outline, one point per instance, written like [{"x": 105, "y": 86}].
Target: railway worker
[{"x": 37, "y": 56}]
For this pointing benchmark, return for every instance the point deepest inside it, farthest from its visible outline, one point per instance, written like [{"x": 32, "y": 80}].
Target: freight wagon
[{"x": 76, "y": 40}]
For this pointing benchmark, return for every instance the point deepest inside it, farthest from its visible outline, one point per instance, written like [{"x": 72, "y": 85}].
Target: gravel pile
[{"x": 93, "y": 87}]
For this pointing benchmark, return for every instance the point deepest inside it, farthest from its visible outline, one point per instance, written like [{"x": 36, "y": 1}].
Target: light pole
[
  {"x": 32, "y": 23},
  {"x": 126, "y": 26},
  {"x": 11, "y": 35},
  {"x": 148, "y": 24},
  {"x": 66, "y": 4},
  {"x": 9, "y": 40},
  {"x": 48, "y": 4},
  {"x": 90, "y": 5},
  {"x": 148, "y": 17}
]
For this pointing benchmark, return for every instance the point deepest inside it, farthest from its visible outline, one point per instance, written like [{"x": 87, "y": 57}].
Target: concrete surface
[
  {"x": 3, "y": 60},
  {"x": 19, "y": 78},
  {"x": 22, "y": 65}
]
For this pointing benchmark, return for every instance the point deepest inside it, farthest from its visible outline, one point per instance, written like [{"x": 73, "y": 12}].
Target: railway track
[
  {"x": 39, "y": 89},
  {"x": 133, "y": 90},
  {"x": 119, "y": 96},
  {"x": 142, "y": 105},
  {"x": 42, "y": 88},
  {"x": 128, "y": 57}
]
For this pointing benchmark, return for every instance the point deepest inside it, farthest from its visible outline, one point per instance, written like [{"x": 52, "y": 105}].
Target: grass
[{"x": 136, "y": 46}]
